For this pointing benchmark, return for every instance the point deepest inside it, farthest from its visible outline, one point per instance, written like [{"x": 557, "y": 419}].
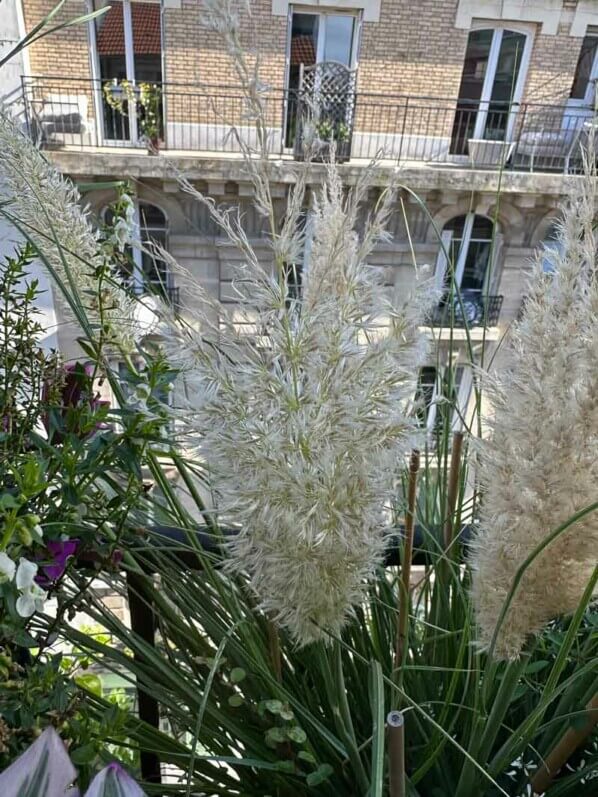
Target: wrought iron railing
[
  {"x": 66, "y": 112},
  {"x": 470, "y": 308}
]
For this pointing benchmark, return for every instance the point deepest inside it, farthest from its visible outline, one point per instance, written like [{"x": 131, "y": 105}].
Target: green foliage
[{"x": 247, "y": 711}]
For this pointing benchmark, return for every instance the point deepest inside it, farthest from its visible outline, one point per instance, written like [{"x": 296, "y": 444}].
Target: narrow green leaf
[{"x": 377, "y": 704}]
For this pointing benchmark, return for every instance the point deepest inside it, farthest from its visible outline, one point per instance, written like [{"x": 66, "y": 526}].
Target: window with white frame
[
  {"x": 491, "y": 86},
  {"x": 469, "y": 246},
  {"x": 126, "y": 44},
  {"x": 441, "y": 399},
  {"x": 317, "y": 37},
  {"x": 586, "y": 71}
]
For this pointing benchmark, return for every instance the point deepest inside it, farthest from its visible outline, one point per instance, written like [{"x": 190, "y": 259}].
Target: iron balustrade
[
  {"x": 75, "y": 114},
  {"x": 469, "y": 309}
]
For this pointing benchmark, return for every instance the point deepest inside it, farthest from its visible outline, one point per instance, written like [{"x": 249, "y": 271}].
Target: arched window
[
  {"x": 491, "y": 86},
  {"x": 463, "y": 269},
  {"x": 551, "y": 245},
  {"x": 470, "y": 247},
  {"x": 153, "y": 231}
]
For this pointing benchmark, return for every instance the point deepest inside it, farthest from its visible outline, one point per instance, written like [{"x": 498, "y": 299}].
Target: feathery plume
[
  {"x": 301, "y": 404},
  {"x": 539, "y": 466},
  {"x": 305, "y": 422},
  {"x": 47, "y": 206}
]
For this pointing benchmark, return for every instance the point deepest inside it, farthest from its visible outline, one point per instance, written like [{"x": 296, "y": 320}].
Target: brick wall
[
  {"x": 65, "y": 53},
  {"x": 194, "y": 54},
  {"x": 415, "y": 49},
  {"x": 552, "y": 67}
]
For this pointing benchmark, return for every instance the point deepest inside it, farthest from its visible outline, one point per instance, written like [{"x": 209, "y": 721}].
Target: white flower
[
  {"x": 142, "y": 392},
  {"x": 31, "y": 600},
  {"x": 122, "y": 234},
  {"x": 129, "y": 208},
  {"x": 7, "y": 567},
  {"x": 32, "y": 596},
  {"x": 26, "y": 573}
]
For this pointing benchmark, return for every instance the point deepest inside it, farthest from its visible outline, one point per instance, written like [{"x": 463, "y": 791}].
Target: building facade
[{"x": 479, "y": 107}]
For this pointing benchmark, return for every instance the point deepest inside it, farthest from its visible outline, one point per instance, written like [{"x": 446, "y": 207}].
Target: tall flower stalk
[
  {"x": 46, "y": 208},
  {"x": 301, "y": 403},
  {"x": 539, "y": 466}
]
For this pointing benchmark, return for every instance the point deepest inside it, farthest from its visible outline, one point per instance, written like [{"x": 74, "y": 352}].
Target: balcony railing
[
  {"x": 471, "y": 309},
  {"x": 71, "y": 113}
]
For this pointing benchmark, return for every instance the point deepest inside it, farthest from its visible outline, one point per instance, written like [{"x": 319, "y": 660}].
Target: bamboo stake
[
  {"x": 405, "y": 582},
  {"x": 453, "y": 488},
  {"x": 396, "y": 753},
  {"x": 564, "y": 749},
  {"x": 395, "y": 720}
]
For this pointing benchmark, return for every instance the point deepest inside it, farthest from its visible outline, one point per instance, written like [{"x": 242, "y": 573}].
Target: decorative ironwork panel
[{"x": 327, "y": 96}]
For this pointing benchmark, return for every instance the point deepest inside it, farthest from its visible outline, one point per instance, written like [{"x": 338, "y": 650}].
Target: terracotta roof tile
[
  {"x": 302, "y": 51},
  {"x": 146, "y": 30}
]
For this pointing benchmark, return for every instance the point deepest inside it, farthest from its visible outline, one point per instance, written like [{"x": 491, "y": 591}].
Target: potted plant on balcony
[
  {"x": 329, "y": 130},
  {"x": 150, "y": 100},
  {"x": 492, "y": 150},
  {"x": 146, "y": 98}
]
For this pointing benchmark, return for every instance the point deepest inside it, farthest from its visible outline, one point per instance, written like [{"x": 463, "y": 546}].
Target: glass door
[
  {"x": 128, "y": 52},
  {"x": 316, "y": 38},
  {"x": 491, "y": 86}
]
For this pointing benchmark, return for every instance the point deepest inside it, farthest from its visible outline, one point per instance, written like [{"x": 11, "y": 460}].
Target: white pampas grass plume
[
  {"x": 540, "y": 467},
  {"x": 305, "y": 422},
  {"x": 47, "y": 208}
]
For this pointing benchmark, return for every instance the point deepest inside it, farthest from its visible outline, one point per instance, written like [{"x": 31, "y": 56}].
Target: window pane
[
  {"x": 503, "y": 87},
  {"x": 470, "y": 91},
  {"x": 508, "y": 66},
  {"x": 583, "y": 71},
  {"x": 304, "y": 44},
  {"x": 553, "y": 247},
  {"x": 476, "y": 64},
  {"x": 151, "y": 216},
  {"x": 477, "y": 258},
  {"x": 447, "y": 411},
  {"x": 110, "y": 40},
  {"x": 338, "y": 43},
  {"x": 147, "y": 44},
  {"x": 476, "y": 265},
  {"x": 153, "y": 231}
]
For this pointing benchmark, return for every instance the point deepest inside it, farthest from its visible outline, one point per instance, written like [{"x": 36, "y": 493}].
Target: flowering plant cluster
[
  {"x": 146, "y": 98},
  {"x": 123, "y": 229}
]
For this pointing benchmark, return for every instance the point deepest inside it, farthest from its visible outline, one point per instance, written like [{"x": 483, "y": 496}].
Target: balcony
[
  {"x": 470, "y": 309},
  {"x": 432, "y": 131}
]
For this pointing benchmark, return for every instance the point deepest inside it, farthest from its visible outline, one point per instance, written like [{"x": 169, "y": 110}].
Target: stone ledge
[{"x": 211, "y": 168}]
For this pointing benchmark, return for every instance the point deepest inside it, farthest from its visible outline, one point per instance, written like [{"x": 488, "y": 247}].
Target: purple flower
[
  {"x": 77, "y": 391},
  {"x": 60, "y": 552}
]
